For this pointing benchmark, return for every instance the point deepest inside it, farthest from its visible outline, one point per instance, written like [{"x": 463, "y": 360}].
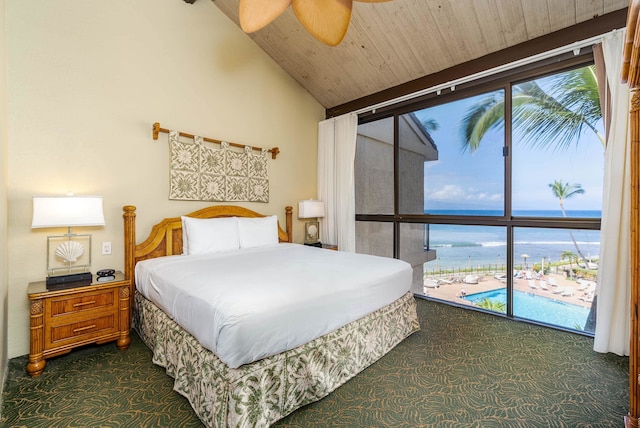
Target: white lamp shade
[
  {"x": 67, "y": 211},
  {"x": 310, "y": 209}
]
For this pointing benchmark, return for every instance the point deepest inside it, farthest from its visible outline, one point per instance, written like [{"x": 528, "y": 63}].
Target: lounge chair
[
  {"x": 588, "y": 298},
  {"x": 470, "y": 279},
  {"x": 567, "y": 292},
  {"x": 583, "y": 285},
  {"x": 532, "y": 284},
  {"x": 543, "y": 285},
  {"x": 431, "y": 283},
  {"x": 558, "y": 290},
  {"x": 552, "y": 282}
]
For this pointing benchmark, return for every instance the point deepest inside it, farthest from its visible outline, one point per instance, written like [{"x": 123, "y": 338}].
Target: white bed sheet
[{"x": 245, "y": 305}]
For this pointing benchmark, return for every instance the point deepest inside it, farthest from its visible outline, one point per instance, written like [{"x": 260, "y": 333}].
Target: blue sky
[{"x": 465, "y": 180}]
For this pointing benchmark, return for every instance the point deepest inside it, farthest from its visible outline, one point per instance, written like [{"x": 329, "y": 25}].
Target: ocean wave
[
  {"x": 493, "y": 244},
  {"x": 503, "y": 244},
  {"x": 556, "y": 242},
  {"x": 455, "y": 244}
]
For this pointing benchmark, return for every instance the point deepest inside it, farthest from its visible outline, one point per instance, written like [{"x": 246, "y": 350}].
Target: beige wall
[
  {"x": 86, "y": 80},
  {"x": 3, "y": 201}
]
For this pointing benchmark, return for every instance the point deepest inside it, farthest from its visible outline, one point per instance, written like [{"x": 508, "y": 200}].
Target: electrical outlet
[{"x": 106, "y": 248}]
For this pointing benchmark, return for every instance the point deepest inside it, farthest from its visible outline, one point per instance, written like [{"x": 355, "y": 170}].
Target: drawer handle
[
  {"x": 89, "y": 327},
  {"x": 75, "y": 305}
]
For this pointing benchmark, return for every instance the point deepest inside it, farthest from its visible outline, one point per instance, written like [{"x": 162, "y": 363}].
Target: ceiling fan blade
[
  {"x": 326, "y": 20},
  {"x": 255, "y": 14}
]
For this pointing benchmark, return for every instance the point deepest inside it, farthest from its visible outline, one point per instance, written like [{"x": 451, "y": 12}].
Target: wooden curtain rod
[{"x": 156, "y": 130}]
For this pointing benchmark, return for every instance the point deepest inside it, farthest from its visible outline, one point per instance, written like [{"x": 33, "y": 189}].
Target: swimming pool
[{"x": 538, "y": 308}]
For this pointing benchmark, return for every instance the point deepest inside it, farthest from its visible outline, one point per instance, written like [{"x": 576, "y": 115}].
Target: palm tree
[
  {"x": 564, "y": 191},
  {"x": 571, "y": 256},
  {"x": 558, "y": 115}
]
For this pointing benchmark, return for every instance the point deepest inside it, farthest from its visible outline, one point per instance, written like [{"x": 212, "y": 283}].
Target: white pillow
[
  {"x": 258, "y": 231},
  {"x": 209, "y": 235}
]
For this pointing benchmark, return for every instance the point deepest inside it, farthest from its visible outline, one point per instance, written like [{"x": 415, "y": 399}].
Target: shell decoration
[{"x": 69, "y": 251}]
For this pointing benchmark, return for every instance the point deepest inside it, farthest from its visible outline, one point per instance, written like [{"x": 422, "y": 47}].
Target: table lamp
[
  {"x": 311, "y": 209},
  {"x": 68, "y": 255}
]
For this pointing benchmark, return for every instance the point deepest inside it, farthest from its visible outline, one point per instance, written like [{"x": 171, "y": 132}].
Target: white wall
[
  {"x": 86, "y": 80},
  {"x": 3, "y": 201}
]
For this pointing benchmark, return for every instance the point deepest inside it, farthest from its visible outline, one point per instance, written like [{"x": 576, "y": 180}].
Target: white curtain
[
  {"x": 614, "y": 275},
  {"x": 336, "y": 157}
]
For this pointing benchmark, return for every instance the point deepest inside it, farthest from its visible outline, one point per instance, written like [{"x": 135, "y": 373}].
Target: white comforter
[{"x": 248, "y": 304}]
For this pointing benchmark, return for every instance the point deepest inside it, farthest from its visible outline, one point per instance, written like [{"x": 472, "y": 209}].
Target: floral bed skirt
[{"x": 258, "y": 394}]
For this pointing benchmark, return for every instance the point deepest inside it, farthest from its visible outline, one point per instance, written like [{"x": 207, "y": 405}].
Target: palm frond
[
  {"x": 555, "y": 118},
  {"x": 542, "y": 119},
  {"x": 480, "y": 118},
  {"x": 430, "y": 124},
  {"x": 578, "y": 91}
]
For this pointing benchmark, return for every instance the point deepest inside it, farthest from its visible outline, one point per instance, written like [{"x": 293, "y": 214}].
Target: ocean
[{"x": 464, "y": 247}]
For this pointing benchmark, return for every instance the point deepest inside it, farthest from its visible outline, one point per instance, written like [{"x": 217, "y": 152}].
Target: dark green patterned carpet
[{"x": 463, "y": 369}]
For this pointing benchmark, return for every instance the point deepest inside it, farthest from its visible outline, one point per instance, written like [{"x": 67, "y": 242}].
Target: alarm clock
[
  {"x": 106, "y": 272},
  {"x": 105, "y": 275}
]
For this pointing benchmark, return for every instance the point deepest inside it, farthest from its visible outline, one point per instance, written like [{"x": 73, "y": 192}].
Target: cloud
[
  {"x": 451, "y": 192},
  {"x": 484, "y": 196},
  {"x": 448, "y": 192}
]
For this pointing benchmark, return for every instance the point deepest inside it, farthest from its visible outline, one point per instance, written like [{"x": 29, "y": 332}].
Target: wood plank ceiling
[{"x": 391, "y": 43}]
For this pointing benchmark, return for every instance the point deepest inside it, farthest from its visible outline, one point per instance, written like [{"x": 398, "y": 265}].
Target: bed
[{"x": 225, "y": 367}]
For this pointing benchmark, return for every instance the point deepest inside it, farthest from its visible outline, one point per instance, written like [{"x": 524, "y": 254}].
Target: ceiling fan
[{"x": 326, "y": 20}]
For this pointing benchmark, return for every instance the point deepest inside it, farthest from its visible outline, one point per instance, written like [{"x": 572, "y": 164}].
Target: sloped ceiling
[{"x": 391, "y": 43}]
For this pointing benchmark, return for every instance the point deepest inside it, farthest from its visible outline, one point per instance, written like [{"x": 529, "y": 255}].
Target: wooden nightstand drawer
[
  {"x": 65, "y": 305},
  {"x": 66, "y": 318},
  {"x": 75, "y": 329}
]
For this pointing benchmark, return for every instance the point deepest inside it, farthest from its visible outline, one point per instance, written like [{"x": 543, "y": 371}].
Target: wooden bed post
[
  {"x": 634, "y": 348},
  {"x": 288, "y": 222},
  {"x": 129, "y": 216},
  {"x": 631, "y": 75}
]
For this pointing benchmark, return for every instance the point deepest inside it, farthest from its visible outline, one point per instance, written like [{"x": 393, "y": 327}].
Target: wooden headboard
[{"x": 165, "y": 238}]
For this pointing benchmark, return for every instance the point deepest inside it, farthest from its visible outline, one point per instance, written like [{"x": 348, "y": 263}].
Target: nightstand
[
  {"x": 65, "y": 319},
  {"x": 325, "y": 246}
]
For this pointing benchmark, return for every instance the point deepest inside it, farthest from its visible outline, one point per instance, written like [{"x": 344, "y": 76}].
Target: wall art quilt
[{"x": 201, "y": 171}]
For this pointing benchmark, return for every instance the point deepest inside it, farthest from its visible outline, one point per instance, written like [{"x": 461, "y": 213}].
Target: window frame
[{"x": 503, "y": 81}]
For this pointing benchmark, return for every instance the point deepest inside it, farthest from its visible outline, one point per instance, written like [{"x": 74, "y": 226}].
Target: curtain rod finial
[{"x": 156, "y": 130}]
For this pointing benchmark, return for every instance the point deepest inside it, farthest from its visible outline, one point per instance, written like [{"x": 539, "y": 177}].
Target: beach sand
[{"x": 452, "y": 291}]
